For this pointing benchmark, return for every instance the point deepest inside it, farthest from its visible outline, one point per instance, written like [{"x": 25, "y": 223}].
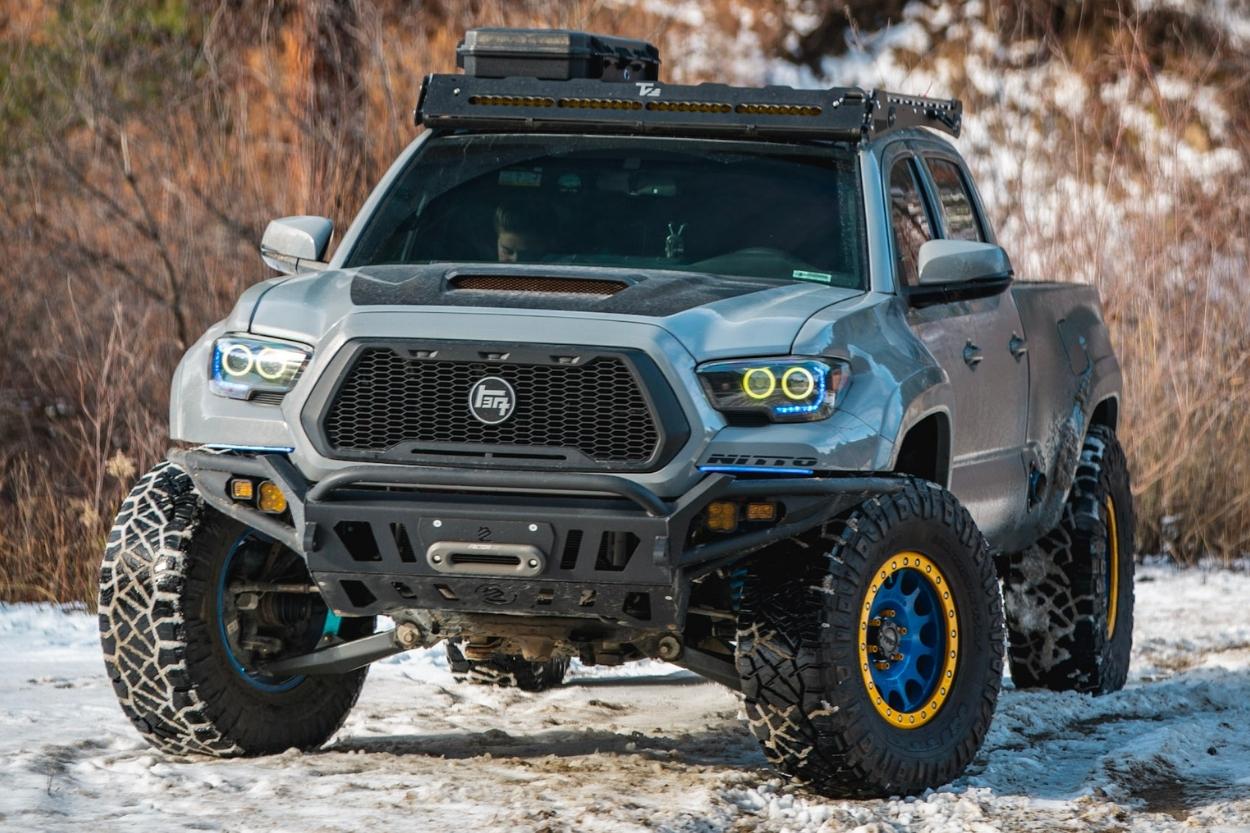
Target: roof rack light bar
[{"x": 529, "y": 104}]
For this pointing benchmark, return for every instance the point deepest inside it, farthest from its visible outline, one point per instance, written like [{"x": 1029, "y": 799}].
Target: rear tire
[
  {"x": 1069, "y": 597},
  {"x": 165, "y": 639},
  {"x": 806, "y": 636},
  {"x": 507, "y": 671}
]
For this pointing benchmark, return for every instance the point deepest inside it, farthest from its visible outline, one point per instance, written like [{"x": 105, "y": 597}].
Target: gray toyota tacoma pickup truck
[{"x": 608, "y": 368}]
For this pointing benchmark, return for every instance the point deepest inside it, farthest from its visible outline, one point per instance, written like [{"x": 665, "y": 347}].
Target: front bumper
[{"x": 385, "y": 538}]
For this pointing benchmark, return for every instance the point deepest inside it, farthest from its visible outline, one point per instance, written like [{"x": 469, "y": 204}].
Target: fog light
[
  {"x": 722, "y": 516},
  {"x": 271, "y": 499},
  {"x": 242, "y": 489},
  {"x": 761, "y": 512}
]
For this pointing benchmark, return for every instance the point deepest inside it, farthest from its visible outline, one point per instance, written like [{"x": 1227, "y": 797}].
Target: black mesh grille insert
[{"x": 390, "y": 396}]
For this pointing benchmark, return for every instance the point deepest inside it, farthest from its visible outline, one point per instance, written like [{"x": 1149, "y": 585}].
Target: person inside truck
[{"x": 519, "y": 235}]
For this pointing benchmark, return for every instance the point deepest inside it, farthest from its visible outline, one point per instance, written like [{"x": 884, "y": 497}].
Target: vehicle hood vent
[{"x": 535, "y": 284}]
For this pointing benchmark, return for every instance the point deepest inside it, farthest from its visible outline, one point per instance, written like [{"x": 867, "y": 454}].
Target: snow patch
[{"x": 638, "y": 747}]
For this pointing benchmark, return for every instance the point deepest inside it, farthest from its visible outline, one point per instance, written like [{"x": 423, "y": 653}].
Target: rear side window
[
  {"x": 958, "y": 216},
  {"x": 909, "y": 219}
]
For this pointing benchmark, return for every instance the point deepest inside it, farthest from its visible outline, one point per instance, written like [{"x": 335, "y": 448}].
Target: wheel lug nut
[
  {"x": 897, "y": 657},
  {"x": 902, "y": 631},
  {"x": 874, "y": 623},
  {"x": 883, "y": 666},
  {"x": 888, "y": 613},
  {"x": 873, "y": 649}
]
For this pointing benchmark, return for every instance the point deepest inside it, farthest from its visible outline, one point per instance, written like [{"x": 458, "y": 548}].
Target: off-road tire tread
[
  {"x": 155, "y": 645},
  {"x": 1055, "y": 590}
]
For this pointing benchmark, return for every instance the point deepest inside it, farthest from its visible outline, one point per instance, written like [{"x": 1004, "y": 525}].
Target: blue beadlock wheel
[
  {"x": 231, "y": 570},
  {"x": 909, "y": 640}
]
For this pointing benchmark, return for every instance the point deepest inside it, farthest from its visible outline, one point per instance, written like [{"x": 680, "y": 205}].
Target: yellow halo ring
[
  {"x": 282, "y": 368},
  {"x": 245, "y": 351},
  {"x": 929, "y": 572},
  {"x": 785, "y": 383},
  {"x": 746, "y": 383}
]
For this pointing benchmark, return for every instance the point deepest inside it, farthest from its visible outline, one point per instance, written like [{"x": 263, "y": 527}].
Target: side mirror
[
  {"x": 961, "y": 261},
  {"x": 296, "y": 244}
]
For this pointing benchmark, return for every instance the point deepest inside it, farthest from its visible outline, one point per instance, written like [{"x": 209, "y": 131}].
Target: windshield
[{"x": 727, "y": 208}]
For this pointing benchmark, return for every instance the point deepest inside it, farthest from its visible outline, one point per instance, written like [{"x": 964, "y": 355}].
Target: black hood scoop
[
  {"x": 625, "y": 292},
  {"x": 535, "y": 284}
]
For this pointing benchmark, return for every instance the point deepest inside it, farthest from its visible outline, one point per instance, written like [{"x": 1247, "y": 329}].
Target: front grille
[{"x": 398, "y": 402}]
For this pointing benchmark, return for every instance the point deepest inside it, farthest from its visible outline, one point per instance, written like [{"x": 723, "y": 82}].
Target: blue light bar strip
[
  {"x": 756, "y": 470},
  {"x": 272, "y": 449},
  {"x": 807, "y": 409}
]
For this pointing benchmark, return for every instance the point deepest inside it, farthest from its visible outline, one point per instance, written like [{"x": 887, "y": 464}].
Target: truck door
[{"x": 976, "y": 338}]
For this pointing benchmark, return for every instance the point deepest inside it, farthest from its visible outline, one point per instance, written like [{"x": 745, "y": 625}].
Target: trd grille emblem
[{"x": 491, "y": 400}]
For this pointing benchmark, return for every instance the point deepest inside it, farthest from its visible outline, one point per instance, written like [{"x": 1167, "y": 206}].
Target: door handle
[
  {"x": 1017, "y": 346},
  {"x": 972, "y": 355}
]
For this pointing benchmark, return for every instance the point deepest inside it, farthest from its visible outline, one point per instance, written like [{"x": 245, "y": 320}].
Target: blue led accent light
[
  {"x": 218, "y": 383},
  {"x": 269, "y": 366},
  {"x": 756, "y": 470},
  {"x": 271, "y": 449},
  {"x": 784, "y": 389},
  {"x": 807, "y": 409}
]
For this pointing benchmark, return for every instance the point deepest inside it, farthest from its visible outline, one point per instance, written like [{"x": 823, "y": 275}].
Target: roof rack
[{"x": 848, "y": 114}]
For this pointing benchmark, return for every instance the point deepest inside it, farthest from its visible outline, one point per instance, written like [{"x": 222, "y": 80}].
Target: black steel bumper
[{"x": 381, "y": 538}]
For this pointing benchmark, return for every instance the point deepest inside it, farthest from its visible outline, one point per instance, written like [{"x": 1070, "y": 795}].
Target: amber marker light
[
  {"x": 271, "y": 499},
  {"x": 242, "y": 489},
  {"x": 722, "y": 516},
  {"x": 761, "y": 512}
]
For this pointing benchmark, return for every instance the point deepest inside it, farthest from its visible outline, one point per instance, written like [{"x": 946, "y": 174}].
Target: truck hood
[{"x": 713, "y": 316}]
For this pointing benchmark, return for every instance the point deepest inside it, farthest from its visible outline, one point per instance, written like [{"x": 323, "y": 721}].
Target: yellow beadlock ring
[
  {"x": 945, "y": 682},
  {"x": 1113, "y": 581}
]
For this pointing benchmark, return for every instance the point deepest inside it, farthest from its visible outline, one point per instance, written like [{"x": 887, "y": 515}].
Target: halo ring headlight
[
  {"x": 808, "y": 379},
  {"x": 754, "y": 392},
  {"x": 243, "y": 366},
  {"x": 271, "y": 364},
  {"x": 782, "y": 389},
  {"x": 241, "y": 350}
]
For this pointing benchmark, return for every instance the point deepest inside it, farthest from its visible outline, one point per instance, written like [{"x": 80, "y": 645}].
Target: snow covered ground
[{"x": 646, "y": 746}]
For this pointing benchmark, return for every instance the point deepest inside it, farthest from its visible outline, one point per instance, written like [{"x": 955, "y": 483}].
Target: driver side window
[{"x": 909, "y": 219}]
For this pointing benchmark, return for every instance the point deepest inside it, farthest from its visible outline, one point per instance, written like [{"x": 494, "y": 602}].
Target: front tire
[
  {"x": 1070, "y": 596},
  {"x": 882, "y": 584},
  {"x": 170, "y": 638}
]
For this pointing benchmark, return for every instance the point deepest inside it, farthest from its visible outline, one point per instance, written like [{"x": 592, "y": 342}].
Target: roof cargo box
[{"x": 555, "y": 55}]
